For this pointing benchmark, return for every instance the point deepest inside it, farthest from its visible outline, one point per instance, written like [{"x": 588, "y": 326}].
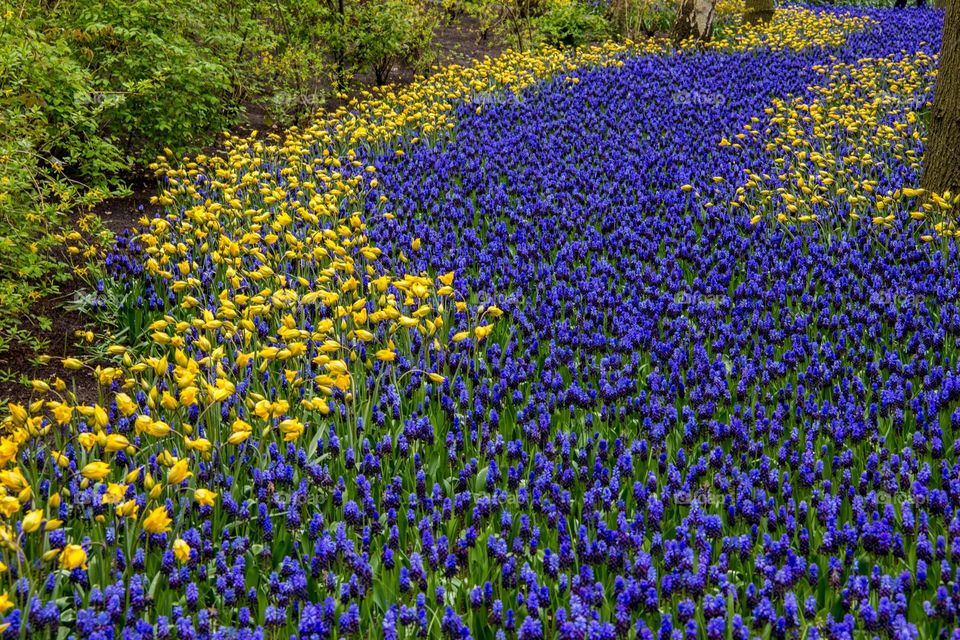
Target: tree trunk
[
  {"x": 340, "y": 54},
  {"x": 758, "y": 12},
  {"x": 694, "y": 20},
  {"x": 941, "y": 159}
]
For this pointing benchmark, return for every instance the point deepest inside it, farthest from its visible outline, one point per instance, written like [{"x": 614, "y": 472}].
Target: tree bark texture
[
  {"x": 941, "y": 160},
  {"x": 694, "y": 20}
]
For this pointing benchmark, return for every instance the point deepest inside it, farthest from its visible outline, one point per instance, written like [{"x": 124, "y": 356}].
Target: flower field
[{"x": 636, "y": 341}]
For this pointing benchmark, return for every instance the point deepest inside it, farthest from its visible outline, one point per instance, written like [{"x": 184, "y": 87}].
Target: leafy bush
[
  {"x": 365, "y": 36},
  {"x": 522, "y": 23},
  {"x": 514, "y": 22},
  {"x": 389, "y": 32},
  {"x": 163, "y": 82},
  {"x": 51, "y": 162},
  {"x": 571, "y": 24},
  {"x": 635, "y": 18},
  {"x": 646, "y": 18}
]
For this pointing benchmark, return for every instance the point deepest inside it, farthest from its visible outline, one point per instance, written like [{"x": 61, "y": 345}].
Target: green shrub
[
  {"x": 571, "y": 24},
  {"x": 522, "y": 23},
  {"x": 158, "y": 67},
  {"x": 641, "y": 18},
  {"x": 390, "y": 32},
  {"x": 89, "y": 90},
  {"x": 52, "y": 162},
  {"x": 374, "y": 36},
  {"x": 513, "y": 22},
  {"x": 287, "y": 67}
]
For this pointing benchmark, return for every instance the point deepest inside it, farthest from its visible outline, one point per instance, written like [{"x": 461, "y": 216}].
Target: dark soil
[
  {"x": 20, "y": 363},
  {"x": 456, "y": 41},
  {"x": 119, "y": 214},
  {"x": 461, "y": 42}
]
